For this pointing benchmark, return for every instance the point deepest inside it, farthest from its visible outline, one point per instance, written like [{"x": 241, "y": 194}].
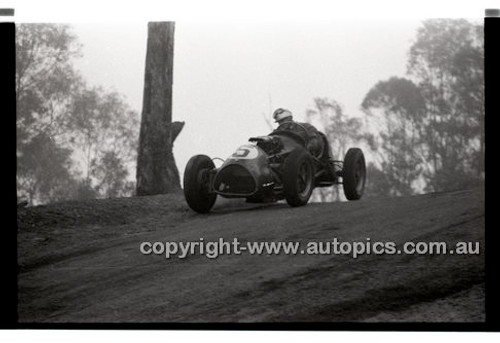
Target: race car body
[{"x": 272, "y": 168}]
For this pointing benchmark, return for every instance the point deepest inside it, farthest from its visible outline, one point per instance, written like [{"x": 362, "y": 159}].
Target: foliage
[
  {"x": 431, "y": 124},
  {"x": 64, "y": 128},
  {"x": 103, "y": 131},
  {"x": 342, "y": 132},
  {"x": 398, "y": 107},
  {"x": 447, "y": 62},
  {"x": 43, "y": 169}
]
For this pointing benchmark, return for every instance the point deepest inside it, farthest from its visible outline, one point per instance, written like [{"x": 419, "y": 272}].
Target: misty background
[{"x": 410, "y": 93}]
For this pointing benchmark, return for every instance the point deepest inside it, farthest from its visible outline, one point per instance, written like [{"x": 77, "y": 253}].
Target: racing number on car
[
  {"x": 245, "y": 152},
  {"x": 241, "y": 153}
]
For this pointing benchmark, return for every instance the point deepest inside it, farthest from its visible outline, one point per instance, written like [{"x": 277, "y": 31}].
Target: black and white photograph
[{"x": 269, "y": 171}]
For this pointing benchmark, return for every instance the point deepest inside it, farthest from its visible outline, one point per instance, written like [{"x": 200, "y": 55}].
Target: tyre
[
  {"x": 354, "y": 174},
  {"x": 298, "y": 177},
  {"x": 196, "y": 183}
]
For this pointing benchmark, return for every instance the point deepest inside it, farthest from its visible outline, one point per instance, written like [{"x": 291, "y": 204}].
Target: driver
[{"x": 313, "y": 138}]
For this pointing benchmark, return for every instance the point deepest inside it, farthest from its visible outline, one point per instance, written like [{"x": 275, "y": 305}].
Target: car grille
[{"x": 234, "y": 180}]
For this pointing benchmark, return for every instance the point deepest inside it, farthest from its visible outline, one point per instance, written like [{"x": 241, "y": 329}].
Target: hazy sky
[
  {"x": 229, "y": 75},
  {"x": 235, "y": 61}
]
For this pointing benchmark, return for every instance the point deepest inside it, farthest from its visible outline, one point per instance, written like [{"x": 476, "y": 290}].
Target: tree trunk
[{"x": 156, "y": 169}]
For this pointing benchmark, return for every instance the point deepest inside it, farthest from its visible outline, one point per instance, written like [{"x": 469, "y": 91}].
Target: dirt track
[{"x": 80, "y": 262}]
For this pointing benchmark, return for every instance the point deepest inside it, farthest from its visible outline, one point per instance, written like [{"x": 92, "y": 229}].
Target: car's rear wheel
[
  {"x": 298, "y": 177},
  {"x": 354, "y": 174},
  {"x": 197, "y": 183}
]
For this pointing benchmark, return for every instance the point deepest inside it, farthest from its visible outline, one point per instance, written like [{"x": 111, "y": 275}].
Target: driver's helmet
[{"x": 281, "y": 114}]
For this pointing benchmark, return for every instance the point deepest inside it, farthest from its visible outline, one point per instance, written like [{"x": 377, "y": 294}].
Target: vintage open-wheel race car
[{"x": 272, "y": 168}]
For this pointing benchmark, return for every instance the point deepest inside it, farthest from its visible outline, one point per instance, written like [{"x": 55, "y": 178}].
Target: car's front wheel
[
  {"x": 298, "y": 177},
  {"x": 197, "y": 183}
]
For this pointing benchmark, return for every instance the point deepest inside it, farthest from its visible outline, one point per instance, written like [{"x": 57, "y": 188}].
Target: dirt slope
[{"x": 80, "y": 262}]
